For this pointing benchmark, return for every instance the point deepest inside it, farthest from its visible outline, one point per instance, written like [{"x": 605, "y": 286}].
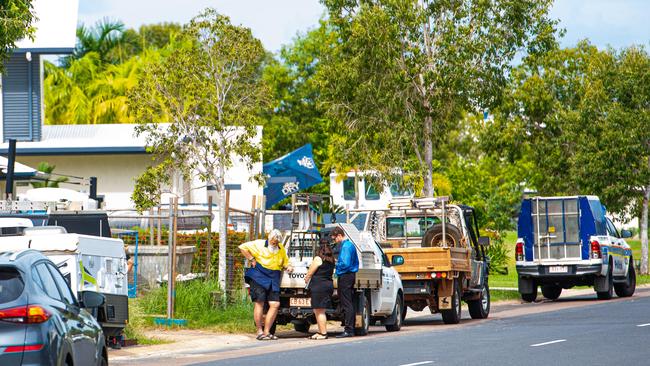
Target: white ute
[{"x": 379, "y": 292}]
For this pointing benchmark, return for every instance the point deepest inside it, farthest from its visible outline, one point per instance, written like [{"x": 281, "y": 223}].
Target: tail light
[
  {"x": 595, "y": 250},
  {"x": 25, "y": 348},
  {"x": 519, "y": 251},
  {"x": 29, "y": 314}
]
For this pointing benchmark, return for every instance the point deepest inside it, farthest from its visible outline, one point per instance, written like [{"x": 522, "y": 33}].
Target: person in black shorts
[
  {"x": 321, "y": 285},
  {"x": 267, "y": 259}
]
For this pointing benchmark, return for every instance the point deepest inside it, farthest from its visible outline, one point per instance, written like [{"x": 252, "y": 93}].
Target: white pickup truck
[{"x": 379, "y": 291}]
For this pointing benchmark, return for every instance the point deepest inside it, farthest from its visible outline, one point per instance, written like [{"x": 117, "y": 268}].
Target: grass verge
[{"x": 194, "y": 303}]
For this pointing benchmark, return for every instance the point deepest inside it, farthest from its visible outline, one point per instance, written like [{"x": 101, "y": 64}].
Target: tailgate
[{"x": 417, "y": 260}]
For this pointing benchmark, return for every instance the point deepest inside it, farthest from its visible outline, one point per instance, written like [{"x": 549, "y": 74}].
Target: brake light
[
  {"x": 26, "y": 348},
  {"x": 595, "y": 250},
  {"x": 519, "y": 251},
  {"x": 30, "y": 314}
]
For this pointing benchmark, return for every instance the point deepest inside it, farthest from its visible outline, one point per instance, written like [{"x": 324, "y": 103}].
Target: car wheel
[
  {"x": 551, "y": 292},
  {"x": 104, "y": 361},
  {"x": 363, "y": 309},
  {"x": 302, "y": 327},
  {"x": 627, "y": 288},
  {"x": 452, "y": 316},
  {"x": 397, "y": 315},
  {"x": 480, "y": 308},
  {"x": 609, "y": 293},
  {"x": 529, "y": 297}
]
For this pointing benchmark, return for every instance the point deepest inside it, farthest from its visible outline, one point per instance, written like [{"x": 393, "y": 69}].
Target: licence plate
[
  {"x": 304, "y": 302},
  {"x": 558, "y": 269}
]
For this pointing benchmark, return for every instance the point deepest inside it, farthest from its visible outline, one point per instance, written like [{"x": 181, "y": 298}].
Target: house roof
[{"x": 83, "y": 139}]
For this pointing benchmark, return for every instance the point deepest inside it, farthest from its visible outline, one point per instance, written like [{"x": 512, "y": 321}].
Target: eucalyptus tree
[
  {"x": 210, "y": 90},
  {"x": 403, "y": 71},
  {"x": 579, "y": 117}
]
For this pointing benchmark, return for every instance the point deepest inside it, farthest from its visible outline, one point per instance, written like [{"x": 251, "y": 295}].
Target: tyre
[
  {"x": 480, "y": 308},
  {"x": 397, "y": 314},
  {"x": 302, "y": 327},
  {"x": 104, "y": 361},
  {"x": 363, "y": 309},
  {"x": 551, "y": 292},
  {"x": 627, "y": 288},
  {"x": 609, "y": 292},
  {"x": 452, "y": 316},
  {"x": 529, "y": 297},
  {"x": 433, "y": 236}
]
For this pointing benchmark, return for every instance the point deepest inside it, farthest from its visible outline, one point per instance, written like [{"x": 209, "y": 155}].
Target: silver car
[{"x": 41, "y": 321}]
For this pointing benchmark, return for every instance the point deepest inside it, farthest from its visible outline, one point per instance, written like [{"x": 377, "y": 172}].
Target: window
[
  {"x": 371, "y": 192},
  {"x": 611, "y": 229},
  {"x": 349, "y": 189},
  {"x": 11, "y": 285},
  {"x": 415, "y": 226},
  {"x": 398, "y": 191},
  {"x": 46, "y": 281},
  {"x": 64, "y": 289}
]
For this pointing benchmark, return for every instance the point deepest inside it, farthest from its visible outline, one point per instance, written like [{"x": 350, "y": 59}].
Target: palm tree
[
  {"x": 48, "y": 183},
  {"x": 102, "y": 38}
]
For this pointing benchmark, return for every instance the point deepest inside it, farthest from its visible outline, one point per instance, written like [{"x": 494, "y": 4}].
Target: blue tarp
[{"x": 289, "y": 174}]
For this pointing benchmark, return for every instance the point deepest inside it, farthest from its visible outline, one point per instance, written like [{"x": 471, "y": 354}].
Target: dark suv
[{"x": 41, "y": 322}]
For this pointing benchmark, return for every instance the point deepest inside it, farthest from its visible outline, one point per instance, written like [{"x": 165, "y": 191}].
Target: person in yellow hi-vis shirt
[{"x": 267, "y": 259}]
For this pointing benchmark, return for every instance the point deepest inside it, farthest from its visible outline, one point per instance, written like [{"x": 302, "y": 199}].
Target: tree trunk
[
  {"x": 427, "y": 190},
  {"x": 223, "y": 225},
  {"x": 644, "y": 231}
]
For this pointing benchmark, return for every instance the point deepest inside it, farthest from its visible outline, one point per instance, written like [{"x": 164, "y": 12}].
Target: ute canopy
[{"x": 560, "y": 227}]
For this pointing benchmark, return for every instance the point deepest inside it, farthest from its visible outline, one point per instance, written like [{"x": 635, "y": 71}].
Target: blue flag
[{"x": 289, "y": 174}]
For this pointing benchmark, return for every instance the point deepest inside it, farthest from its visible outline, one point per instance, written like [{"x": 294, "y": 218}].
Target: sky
[{"x": 616, "y": 23}]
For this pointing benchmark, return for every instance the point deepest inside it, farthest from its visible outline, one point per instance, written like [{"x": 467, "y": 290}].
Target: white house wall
[
  {"x": 56, "y": 25},
  {"x": 115, "y": 173},
  {"x": 116, "y": 176}
]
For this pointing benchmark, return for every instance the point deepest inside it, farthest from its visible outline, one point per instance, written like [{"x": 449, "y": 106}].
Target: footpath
[{"x": 187, "y": 346}]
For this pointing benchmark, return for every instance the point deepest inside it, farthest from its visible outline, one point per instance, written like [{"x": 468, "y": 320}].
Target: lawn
[{"x": 510, "y": 280}]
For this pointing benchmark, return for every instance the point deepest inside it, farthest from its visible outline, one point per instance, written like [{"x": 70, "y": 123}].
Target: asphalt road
[{"x": 599, "y": 333}]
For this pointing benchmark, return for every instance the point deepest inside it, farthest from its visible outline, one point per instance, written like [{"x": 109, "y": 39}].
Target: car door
[
  {"x": 87, "y": 326},
  {"x": 388, "y": 292},
  {"x": 616, "y": 249},
  {"x": 73, "y": 333}
]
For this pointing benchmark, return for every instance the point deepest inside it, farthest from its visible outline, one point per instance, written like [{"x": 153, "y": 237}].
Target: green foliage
[
  {"x": 92, "y": 84},
  {"x": 579, "y": 118},
  {"x": 498, "y": 254},
  {"x": 194, "y": 302},
  {"x": 90, "y": 91},
  {"x": 16, "y": 20},
  {"x": 403, "y": 72},
  {"x": 209, "y": 88},
  {"x": 297, "y": 117},
  {"x": 114, "y": 44},
  {"x": 149, "y": 186},
  {"x": 46, "y": 168}
]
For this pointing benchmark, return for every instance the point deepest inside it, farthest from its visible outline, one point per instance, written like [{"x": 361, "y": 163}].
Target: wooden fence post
[{"x": 208, "y": 258}]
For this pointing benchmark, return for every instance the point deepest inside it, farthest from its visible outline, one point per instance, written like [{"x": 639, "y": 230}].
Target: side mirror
[
  {"x": 484, "y": 241},
  {"x": 626, "y": 233},
  {"x": 397, "y": 260},
  {"x": 92, "y": 299}
]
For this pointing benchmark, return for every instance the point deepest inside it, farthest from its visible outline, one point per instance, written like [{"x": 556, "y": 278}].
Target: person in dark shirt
[
  {"x": 347, "y": 266},
  {"x": 321, "y": 285}
]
